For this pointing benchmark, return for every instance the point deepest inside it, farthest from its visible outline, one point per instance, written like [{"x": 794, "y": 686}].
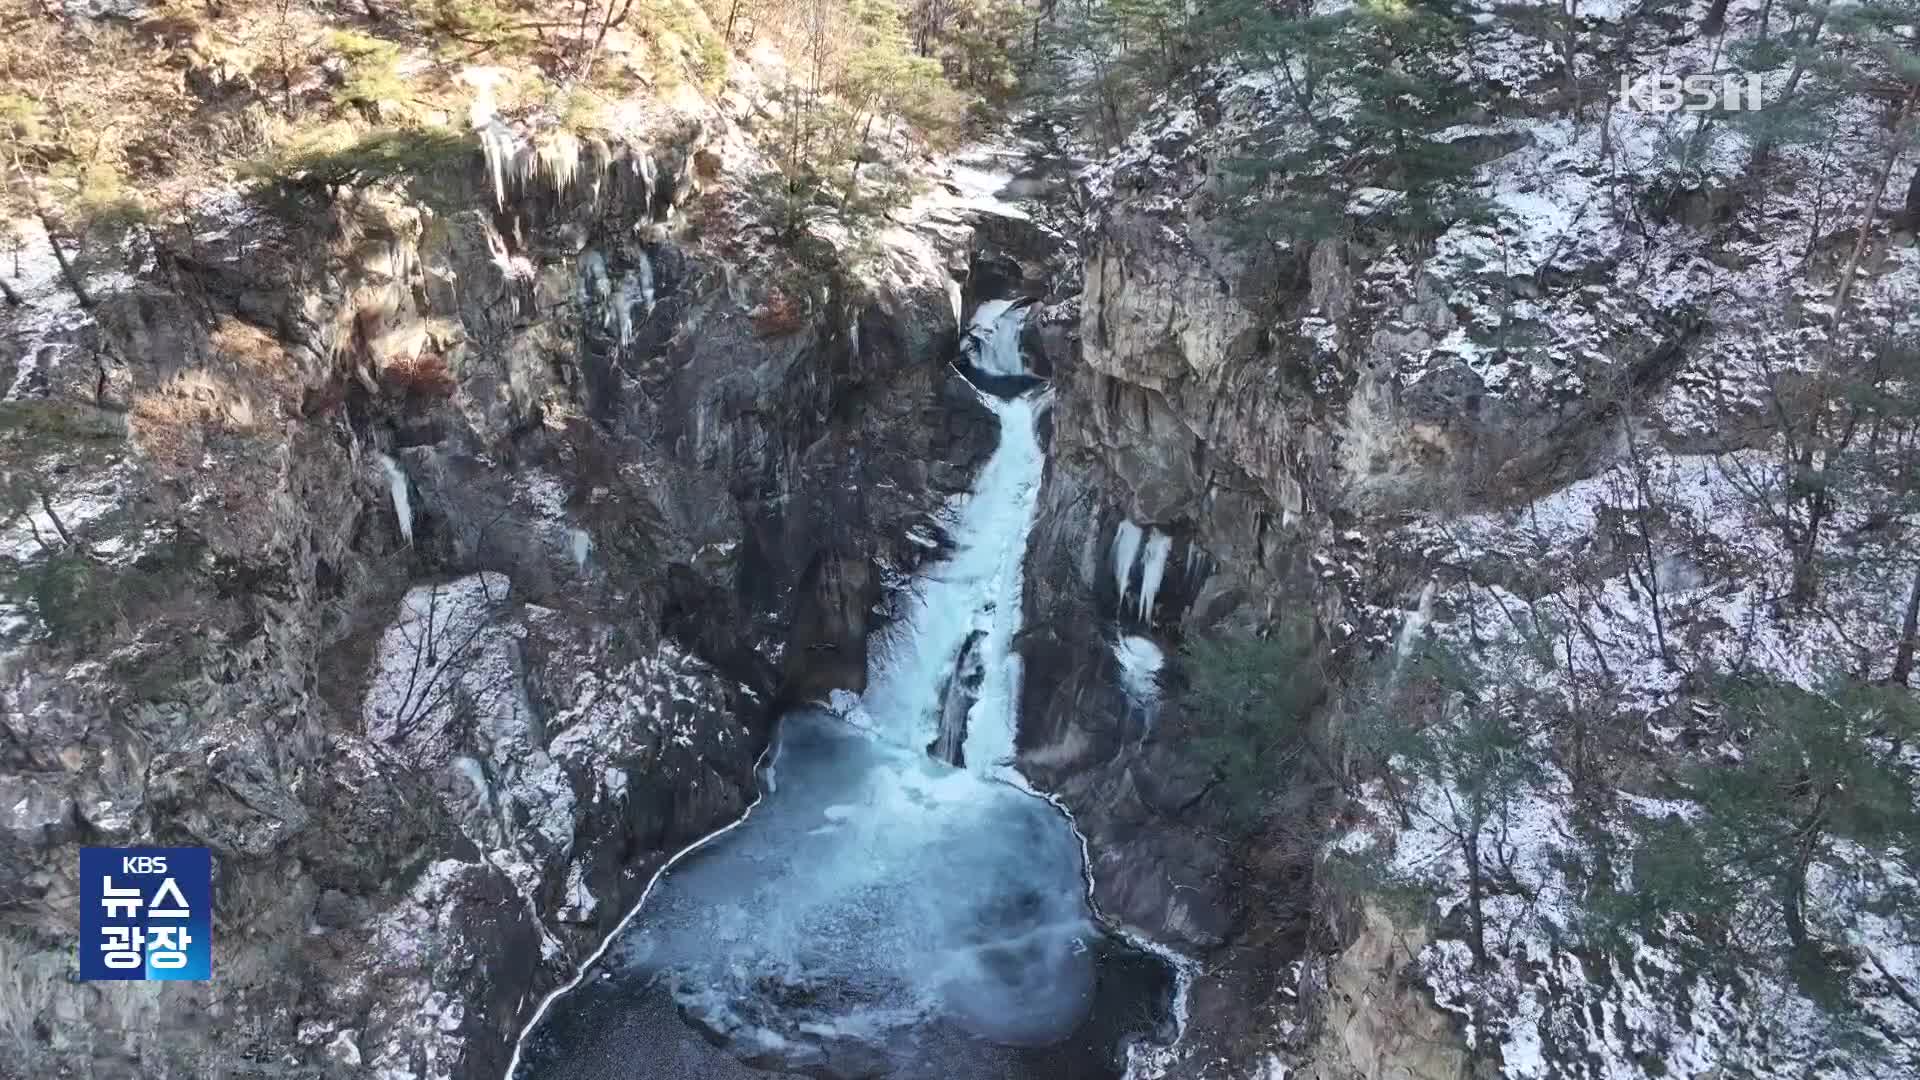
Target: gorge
[
  {"x": 894, "y": 903},
  {"x": 1217, "y": 541}
]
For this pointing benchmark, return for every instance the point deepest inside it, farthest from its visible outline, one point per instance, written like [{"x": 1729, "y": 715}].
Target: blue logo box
[{"x": 146, "y": 913}]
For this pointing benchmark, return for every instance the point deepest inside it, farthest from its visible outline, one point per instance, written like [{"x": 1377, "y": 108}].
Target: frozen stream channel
[{"x": 896, "y": 904}]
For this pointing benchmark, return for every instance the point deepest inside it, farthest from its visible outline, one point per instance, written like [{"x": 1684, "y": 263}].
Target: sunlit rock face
[{"x": 293, "y": 451}]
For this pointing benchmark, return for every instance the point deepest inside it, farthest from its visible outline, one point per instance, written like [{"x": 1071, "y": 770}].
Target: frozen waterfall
[
  {"x": 992, "y": 341},
  {"x": 402, "y": 504},
  {"x": 881, "y": 911},
  {"x": 976, "y": 591}
]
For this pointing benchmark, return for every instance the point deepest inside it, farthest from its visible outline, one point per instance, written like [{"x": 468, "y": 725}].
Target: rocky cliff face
[
  {"x": 1375, "y": 433},
  {"x": 437, "y": 564}
]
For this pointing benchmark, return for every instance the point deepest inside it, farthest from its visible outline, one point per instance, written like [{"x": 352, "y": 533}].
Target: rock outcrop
[{"x": 431, "y": 560}]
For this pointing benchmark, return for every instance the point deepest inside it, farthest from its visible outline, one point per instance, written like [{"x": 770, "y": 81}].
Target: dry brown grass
[
  {"x": 778, "y": 316},
  {"x": 252, "y": 349},
  {"x": 423, "y": 376},
  {"x": 171, "y": 422}
]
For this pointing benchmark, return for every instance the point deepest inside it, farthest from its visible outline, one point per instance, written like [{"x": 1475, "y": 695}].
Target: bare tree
[{"x": 1909, "y": 631}]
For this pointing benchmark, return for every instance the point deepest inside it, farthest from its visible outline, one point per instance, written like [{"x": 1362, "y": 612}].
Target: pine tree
[
  {"x": 1457, "y": 750},
  {"x": 1246, "y": 703},
  {"x": 1818, "y": 778},
  {"x": 1370, "y": 101}
]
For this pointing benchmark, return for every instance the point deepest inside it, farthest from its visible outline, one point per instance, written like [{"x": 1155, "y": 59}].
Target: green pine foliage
[
  {"x": 1812, "y": 781},
  {"x": 332, "y": 159},
  {"x": 856, "y": 80},
  {"x": 1368, "y": 98},
  {"x": 1246, "y": 703},
  {"x": 372, "y": 69},
  {"x": 484, "y": 24}
]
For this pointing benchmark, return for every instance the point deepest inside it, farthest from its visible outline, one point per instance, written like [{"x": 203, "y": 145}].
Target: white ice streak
[
  {"x": 1415, "y": 623},
  {"x": 1126, "y": 549},
  {"x": 582, "y": 543},
  {"x": 1153, "y": 567},
  {"x": 402, "y": 503},
  {"x": 1140, "y": 662}
]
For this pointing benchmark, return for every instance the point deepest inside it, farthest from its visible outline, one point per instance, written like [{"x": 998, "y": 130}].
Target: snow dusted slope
[{"x": 1561, "y": 415}]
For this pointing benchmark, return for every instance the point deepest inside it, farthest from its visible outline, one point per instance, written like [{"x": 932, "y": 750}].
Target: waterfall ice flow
[
  {"x": 832, "y": 882},
  {"x": 976, "y": 589},
  {"x": 875, "y": 894},
  {"x": 993, "y": 337},
  {"x": 1126, "y": 548},
  {"x": 1415, "y": 623},
  {"x": 397, "y": 487},
  {"x": 1153, "y": 567}
]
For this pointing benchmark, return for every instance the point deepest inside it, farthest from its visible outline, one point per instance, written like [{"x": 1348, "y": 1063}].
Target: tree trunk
[
  {"x": 1909, "y": 630},
  {"x": 1793, "y": 893},
  {"x": 66, "y": 268},
  {"x": 1476, "y": 920},
  {"x": 58, "y": 525},
  {"x": 1793, "y": 899},
  {"x": 1806, "y": 42},
  {"x": 1804, "y": 578},
  {"x": 1872, "y": 210},
  {"x": 1643, "y": 488},
  {"x": 1716, "y": 20}
]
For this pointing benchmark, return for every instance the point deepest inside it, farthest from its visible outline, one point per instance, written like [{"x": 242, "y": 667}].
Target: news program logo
[
  {"x": 1661, "y": 92},
  {"x": 146, "y": 913}
]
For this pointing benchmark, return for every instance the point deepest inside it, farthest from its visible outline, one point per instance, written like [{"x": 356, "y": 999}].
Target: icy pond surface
[{"x": 897, "y": 903}]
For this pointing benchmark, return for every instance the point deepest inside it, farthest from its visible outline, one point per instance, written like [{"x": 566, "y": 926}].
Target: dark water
[
  {"x": 884, "y": 912},
  {"x": 878, "y": 914}
]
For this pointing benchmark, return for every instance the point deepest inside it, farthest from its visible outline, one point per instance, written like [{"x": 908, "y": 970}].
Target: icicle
[
  {"x": 1153, "y": 566},
  {"x": 402, "y": 504},
  {"x": 650, "y": 177},
  {"x": 558, "y": 161},
  {"x": 1415, "y": 623},
  {"x": 582, "y": 544},
  {"x": 1126, "y": 547},
  {"x": 645, "y": 269},
  {"x": 497, "y": 144}
]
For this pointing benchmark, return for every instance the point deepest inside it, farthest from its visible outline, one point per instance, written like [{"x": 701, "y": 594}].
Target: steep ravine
[
  {"x": 449, "y": 560},
  {"x": 886, "y": 908},
  {"x": 453, "y": 559}
]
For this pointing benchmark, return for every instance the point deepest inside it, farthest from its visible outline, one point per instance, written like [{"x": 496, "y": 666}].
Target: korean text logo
[{"x": 146, "y": 913}]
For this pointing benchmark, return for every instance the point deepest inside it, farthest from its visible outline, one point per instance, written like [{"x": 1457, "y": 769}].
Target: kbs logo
[
  {"x": 1663, "y": 93},
  {"x": 146, "y": 913}
]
